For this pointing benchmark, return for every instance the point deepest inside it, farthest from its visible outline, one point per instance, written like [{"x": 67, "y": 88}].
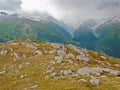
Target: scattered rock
[
  {"x": 33, "y": 87},
  {"x": 66, "y": 72},
  {"x": 117, "y": 65},
  {"x": 2, "y": 72},
  {"x": 61, "y": 52},
  {"x": 31, "y": 46},
  {"x": 70, "y": 55},
  {"x": 57, "y": 45},
  {"x": 95, "y": 82},
  {"x": 103, "y": 57},
  {"x": 52, "y": 62},
  {"x": 53, "y": 52},
  {"x": 2, "y": 52},
  {"x": 58, "y": 58},
  {"x": 16, "y": 55},
  {"x": 82, "y": 57},
  {"x": 82, "y": 80},
  {"x": 38, "y": 53},
  {"x": 115, "y": 72},
  {"x": 84, "y": 71},
  {"x": 54, "y": 74},
  {"x": 23, "y": 75}
]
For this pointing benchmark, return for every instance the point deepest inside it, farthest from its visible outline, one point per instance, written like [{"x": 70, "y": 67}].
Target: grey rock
[
  {"x": 2, "y": 72},
  {"x": 53, "y": 52},
  {"x": 31, "y": 46},
  {"x": 70, "y": 55},
  {"x": 66, "y": 72},
  {"x": 58, "y": 58},
  {"x": 61, "y": 52},
  {"x": 2, "y": 52},
  {"x": 38, "y": 53},
  {"x": 57, "y": 45},
  {"x": 82, "y": 57},
  {"x": 82, "y": 80},
  {"x": 95, "y": 82}
]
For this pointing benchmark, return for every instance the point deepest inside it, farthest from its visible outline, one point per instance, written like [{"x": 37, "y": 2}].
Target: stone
[
  {"x": 103, "y": 57},
  {"x": 61, "y": 52},
  {"x": 82, "y": 80},
  {"x": 95, "y": 82},
  {"x": 84, "y": 71},
  {"x": 3, "y": 52},
  {"x": 70, "y": 55},
  {"x": 38, "y": 53},
  {"x": 33, "y": 87},
  {"x": 31, "y": 46},
  {"x": 53, "y": 52},
  {"x": 54, "y": 74},
  {"x": 117, "y": 65},
  {"x": 23, "y": 75},
  {"x": 52, "y": 62},
  {"x": 115, "y": 72},
  {"x": 66, "y": 72},
  {"x": 82, "y": 57},
  {"x": 70, "y": 61},
  {"x": 2, "y": 72},
  {"x": 57, "y": 45},
  {"x": 58, "y": 58},
  {"x": 16, "y": 55}
]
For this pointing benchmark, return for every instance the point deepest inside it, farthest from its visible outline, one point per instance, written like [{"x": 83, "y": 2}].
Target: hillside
[{"x": 35, "y": 65}]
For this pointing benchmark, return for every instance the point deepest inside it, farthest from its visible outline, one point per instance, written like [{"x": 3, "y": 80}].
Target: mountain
[
  {"x": 35, "y": 65},
  {"x": 45, "y": 28},
  {"x": 85, "y": 35},
  {"x": 109, "y": 37},
  {"x": 102, "y": 35}
]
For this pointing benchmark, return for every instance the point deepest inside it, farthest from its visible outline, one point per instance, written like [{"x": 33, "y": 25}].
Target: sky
[{"x": 64, "y": 9}]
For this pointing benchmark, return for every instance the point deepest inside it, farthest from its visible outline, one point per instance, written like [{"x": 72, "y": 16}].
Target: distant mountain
[
  {"x": 85, "y": 35},
  {"x": 45, "y": 28},
  {"x": 102, "y": 36},
  {"x": 109, "y": 37}
]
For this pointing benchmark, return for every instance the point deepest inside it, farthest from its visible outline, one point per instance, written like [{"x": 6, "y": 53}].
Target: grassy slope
[{"x": 35, "y": 71}]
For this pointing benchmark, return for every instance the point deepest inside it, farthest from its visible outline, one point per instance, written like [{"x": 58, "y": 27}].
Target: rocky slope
[{"x": 33, "y": 65}]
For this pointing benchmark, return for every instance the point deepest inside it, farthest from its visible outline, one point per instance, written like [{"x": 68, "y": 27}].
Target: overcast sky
[{"x": 64, "y": 9}]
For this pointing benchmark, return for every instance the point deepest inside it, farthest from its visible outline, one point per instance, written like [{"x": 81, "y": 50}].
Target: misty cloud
[
  {"x": 65, "y": 9},
  {"x": 87, "y": 8},
  {"x": 109, "y": 5},
  {"x": 10, "y": 5}
]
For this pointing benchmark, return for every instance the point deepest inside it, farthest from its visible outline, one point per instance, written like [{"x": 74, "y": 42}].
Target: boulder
[
  {"x": 61, "y": 52},
  {"x": 53, "y": 52},
  {"x": 84, "y": 71},
  {"x": 2, "y": 72},
  {"x": 58, "y": 58},
  {"x": 103, "y": 57},
  {"x": 31, "y": 46},
  {"x": 38, "y": 53},
  {"x": 2, "y": 52},
  {"x": 57, "y": 45},
  {"x": 95, "y": 82},
  {"x": 66, "y": 72},
  {"x": 82, "y": 80},
  {"x": 82, "y": 57},
  {"x": 70, "y": 55}
]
